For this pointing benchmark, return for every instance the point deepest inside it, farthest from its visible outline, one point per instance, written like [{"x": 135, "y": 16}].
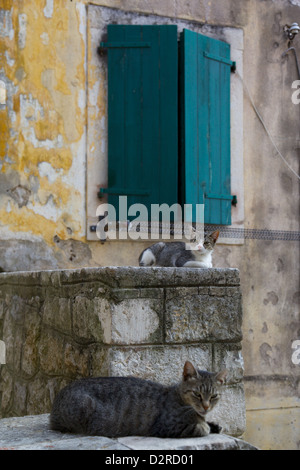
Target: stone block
[
  {"x": 56, "y": 312},
  {"x": 230, "y": 411},
  {"x": 135, "y": 321},
  {"x": 193, "y": 317},
  {"x": 1, "y": 309},
  {"x": 20, "y": 390},
  {"x": 6, "y": 389},
  {"x": 51, "y": 353},
  {"x": 163, "y": 364},
  {"x": 229, "y": 356},
  {"x": 86, "y": 318},
  {"x": 29, "y": 360}
]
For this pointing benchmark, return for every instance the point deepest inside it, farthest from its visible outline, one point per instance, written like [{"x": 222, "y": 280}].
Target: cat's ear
[
  {"x": 215, "y": 235},
  {"x": 221, "y": 376},
  {"x": 189, "y": 371}
]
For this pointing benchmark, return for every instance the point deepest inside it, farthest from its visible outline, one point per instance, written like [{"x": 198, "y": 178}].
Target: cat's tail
[
  {"x": 150, "y": 256},
  {"x": 147, "y": 258}
]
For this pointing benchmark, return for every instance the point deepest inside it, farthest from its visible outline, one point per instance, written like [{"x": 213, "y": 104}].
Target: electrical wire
[{"x": 264, "y": 126}]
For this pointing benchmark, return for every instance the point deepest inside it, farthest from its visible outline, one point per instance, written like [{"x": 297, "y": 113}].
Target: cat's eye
[
  {"x": 197, "y": 394},
  {"x": 214, "y": 396}
]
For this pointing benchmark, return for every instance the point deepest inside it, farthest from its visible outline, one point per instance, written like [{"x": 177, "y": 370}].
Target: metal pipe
[{"x": 296, "y": 58}]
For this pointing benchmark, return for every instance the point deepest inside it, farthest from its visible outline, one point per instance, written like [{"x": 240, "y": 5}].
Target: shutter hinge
[
  {"x": 119, "y": 44},
  {"x": 221, "y": 59},
  {"x": 122, "y": 192},
  {"x": 224, "y": 197}
]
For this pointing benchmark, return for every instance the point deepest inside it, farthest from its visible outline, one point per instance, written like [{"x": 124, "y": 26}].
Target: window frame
[{"x": 98, "y": 18}]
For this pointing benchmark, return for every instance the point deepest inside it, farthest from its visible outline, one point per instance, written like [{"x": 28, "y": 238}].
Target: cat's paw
[
  {"x": 215, "y": 428},
  {"x": 202, "y": 429}
]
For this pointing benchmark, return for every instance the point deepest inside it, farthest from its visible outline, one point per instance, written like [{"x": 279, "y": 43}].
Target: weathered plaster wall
[
  {"x": 44, "y": 52},
  {"x": 270, "y": 269},
  {"x": 42, "y": 154}
]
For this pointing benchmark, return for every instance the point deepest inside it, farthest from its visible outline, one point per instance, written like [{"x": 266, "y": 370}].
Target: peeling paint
[
  {"x": 43, "y": 119},
  {"x": 48, "y": 10},
  {"x": 9, "y": 61},
  {"x": 22, "y": 30},
  {"x": 6, "y": 27},
  {"x": 2, "y": 92},
  {"x": 20, "y": 194},
  {"x": 45, "y": 39},
  {"x": 49, "y": 207},
  {"x": 45, "y": 169}
]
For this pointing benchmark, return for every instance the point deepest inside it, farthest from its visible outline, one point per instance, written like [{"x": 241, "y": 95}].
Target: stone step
[{"x": 33, "y": 433}]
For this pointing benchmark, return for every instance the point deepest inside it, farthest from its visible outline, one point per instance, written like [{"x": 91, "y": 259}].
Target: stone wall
[{"x": 61, "y": 325}]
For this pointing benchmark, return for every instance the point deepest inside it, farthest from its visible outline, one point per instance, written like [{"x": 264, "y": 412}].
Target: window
[
  {"x": 169, "y": 119},
  {"x": 97, "y": 165}
]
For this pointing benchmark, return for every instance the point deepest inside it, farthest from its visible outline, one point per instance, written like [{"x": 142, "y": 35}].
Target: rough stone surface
[
  {"x": 32, "y": 433},
  {"x": 61, "y": 325}
]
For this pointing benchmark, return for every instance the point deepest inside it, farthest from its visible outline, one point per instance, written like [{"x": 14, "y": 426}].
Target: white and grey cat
[
  {"x": 181, "y": 254},
  {"x": 126, "y": 406}
]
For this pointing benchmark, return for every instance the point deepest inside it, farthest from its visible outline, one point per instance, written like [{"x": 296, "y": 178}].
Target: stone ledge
[
  {"x": 33, "y": 433},
  {"x": 126, "y": 277}
]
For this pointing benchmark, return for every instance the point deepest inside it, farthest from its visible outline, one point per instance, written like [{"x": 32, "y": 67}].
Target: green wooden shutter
[
  {"x": 142, "y": 114},
  {"x": 205, "y": 125}
]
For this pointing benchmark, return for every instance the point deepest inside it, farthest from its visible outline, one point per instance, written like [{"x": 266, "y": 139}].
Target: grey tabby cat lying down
[
  {"x": 124, "y": 406},
  {"x": 180, "y": 254}
]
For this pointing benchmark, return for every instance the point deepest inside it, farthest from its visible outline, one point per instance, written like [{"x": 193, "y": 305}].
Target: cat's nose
[{"x": 205, "y": 406}]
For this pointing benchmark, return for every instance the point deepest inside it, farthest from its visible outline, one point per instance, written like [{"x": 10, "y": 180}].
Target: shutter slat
[
  {"x": 168, "y": 121},
  {"x": 190, "y": 109},
  {"x": 116, "y": 61},
  {"x": 134, "y": 111},
  {"x": 214, "y": 98}
]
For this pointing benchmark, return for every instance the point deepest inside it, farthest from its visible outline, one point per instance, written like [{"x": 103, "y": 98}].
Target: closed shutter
[
  {"x": 205, "y": 125},
  {"x": 142, "y": 114}
]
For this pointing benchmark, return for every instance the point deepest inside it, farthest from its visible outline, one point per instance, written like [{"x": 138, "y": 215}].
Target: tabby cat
[
  {"x": 180, "y": 254},
  {"x": 124, "y": 406}
]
